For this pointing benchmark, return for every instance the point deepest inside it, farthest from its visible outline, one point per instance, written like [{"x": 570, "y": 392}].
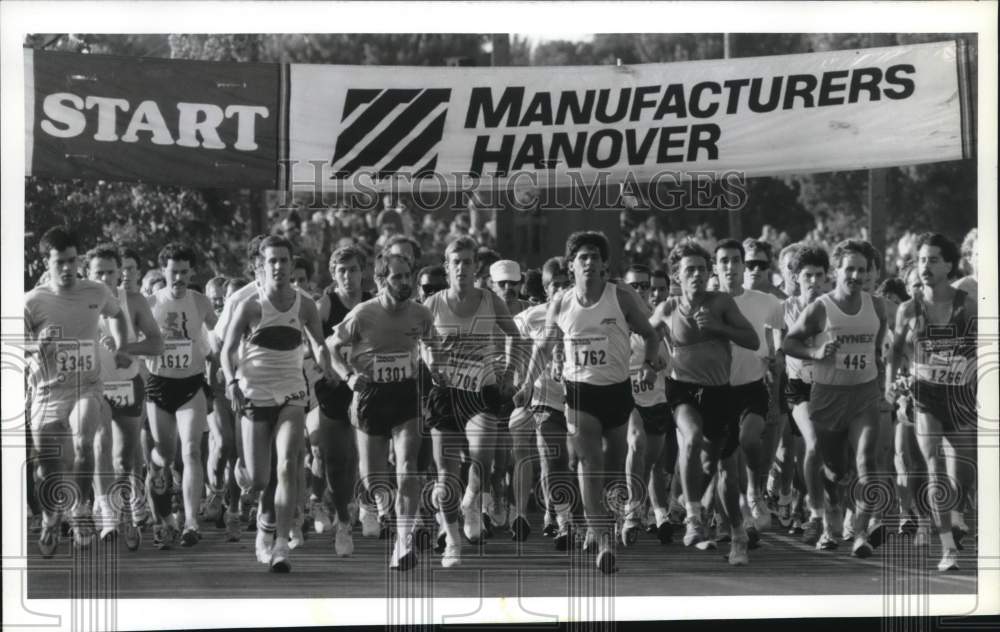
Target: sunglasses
[
  {"x": 637, "y": 285},
  {"x": 508, "y": 283},
  {"x": 756, "y": 264}
]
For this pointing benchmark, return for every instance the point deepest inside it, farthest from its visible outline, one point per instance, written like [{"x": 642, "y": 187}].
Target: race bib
[
  {"x": 392, "y": 367},
  {"x": 465, "y": 373},
  {"x": 587, "y": 352},
  {"x": 638, "y": 385},
  {"x": 853, "y": 361},
  {"x": 806, "y": 373},
  {"x": 120, "y": 394},
  {"x": 176, "y": 354},
  {"x": 944, "y": 370},
  {"x": 74, "y": 357}
]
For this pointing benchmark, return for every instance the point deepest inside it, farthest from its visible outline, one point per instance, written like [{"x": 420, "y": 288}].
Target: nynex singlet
[{"x": 854, "y": 362}]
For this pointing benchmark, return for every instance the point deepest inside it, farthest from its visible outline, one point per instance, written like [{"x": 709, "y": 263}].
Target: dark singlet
[
  {"x": 943, "y": 354},
  {"x": 337, "y": 310}
]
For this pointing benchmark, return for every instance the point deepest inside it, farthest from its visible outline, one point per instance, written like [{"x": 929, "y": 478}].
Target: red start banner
[{"x": 162, "y": 121}]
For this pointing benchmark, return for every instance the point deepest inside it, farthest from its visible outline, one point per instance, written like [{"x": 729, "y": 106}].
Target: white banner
[{"x": 853, "y": 109}]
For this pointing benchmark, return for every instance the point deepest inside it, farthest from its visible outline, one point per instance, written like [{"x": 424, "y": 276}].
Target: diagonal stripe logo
[{"x": 389, "y": 131}]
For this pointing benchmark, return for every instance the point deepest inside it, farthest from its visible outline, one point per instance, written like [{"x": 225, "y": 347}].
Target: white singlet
[
  {"x": 854, "y": 361},
  {"x": 596, "y": 339},
  {"x": 271, "y": 367}
]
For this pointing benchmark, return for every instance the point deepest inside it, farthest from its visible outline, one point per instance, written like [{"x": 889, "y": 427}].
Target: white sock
[
  {"x": 693, "y": 510},
  {"x": 660, "y": 514},
  {"x": 947, "y": 540}
]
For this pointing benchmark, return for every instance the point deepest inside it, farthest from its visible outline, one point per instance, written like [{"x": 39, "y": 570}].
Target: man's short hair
[
  {"x": 383, "y": 261},
  {"x": 638, "y": 268},
  {"x": 176, "y": 251},
  {"x": 729, "y": 244},
  {"x": 432, "y": 271},
  {"x": 757, "y": 245},
  {"x": 58, "y": 238},
  {"x": 789, "y": 250},
  {"x": 553, "y": 267},
  {"x": 485, "y": 257},
  {"x": 810, "y": 255},
  {"x": 303, "y": 263},
  {"x": 891, "y": 286},
  {"x": 533, "y": 288},
  {"x": 852, "y": 246},
  {"x": 583, "y": 238},
  {"x": 404, "y": 239},
  {"x": 104, "y": 251},
  {"x": 949, "y": 251},
  {"x": 660, "y": 274},
  {"x": 462, "y": 243},
  {"x": 344, "y": 254},
  {"x": 131, "y": 253},
  {"x": 217, "y": 281},
  {"x": 688, "y": 248},
  {"x": 275, "y": 241}
]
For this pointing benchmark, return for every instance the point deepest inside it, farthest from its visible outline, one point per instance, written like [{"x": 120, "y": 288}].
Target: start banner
[
  {"x": 162, "y": 121},
  {"x": 359, "y": 128}
]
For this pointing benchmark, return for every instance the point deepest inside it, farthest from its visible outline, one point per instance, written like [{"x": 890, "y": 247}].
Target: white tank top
[
  {"x": 109, "y": 372},
  {"x": 548, "y": 391},
  {"x": 854, "y": 362},
  {"x": 271, "y": 366},
  {"x": 596, "y": 339},
  {"x": 644, "y": 394},
  {"x": 468, "y": 354},
  {"x": 180, "y": 324}
]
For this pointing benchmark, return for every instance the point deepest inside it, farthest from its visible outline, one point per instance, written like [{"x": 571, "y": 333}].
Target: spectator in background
[
  {"x": 302, "y": 274},
  {"x": 533, "y": 290},
  {"x": 387, "y": 224},
  {"x": 430, "y": 280},
  {"x": 403, "y": 245},
  {"x": 789, "y": 285},
  {"x": 291, "y": 228},
  {"x": 485, "y": 257},
  {"x": 970, "y": 255}
]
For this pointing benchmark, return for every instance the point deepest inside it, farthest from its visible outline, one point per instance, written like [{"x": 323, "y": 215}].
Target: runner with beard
[{"x": 384, "y": 334}]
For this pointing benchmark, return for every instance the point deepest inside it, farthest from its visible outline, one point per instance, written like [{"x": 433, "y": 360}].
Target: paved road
[{"x": 217, "y": 569}]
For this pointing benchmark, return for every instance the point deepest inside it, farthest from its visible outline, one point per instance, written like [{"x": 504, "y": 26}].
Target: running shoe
[
  {"x": 343, "y": 541},
  {"x": 958, "y": 529},
  {"x": 723, "y": 531},
  {"x": 551, "y": 528},
  {"x": 949, "y": 561},
  {"x": 876, "y": 532},
  {"x": 694, "y": 532},
  {"x": 472, "y": 523},
  {"x": 665, "y": 532},
  {"x": 564, "y": 537},
  {"x": 452, "y": 555},
  {"x": 403, "y": 558},
  {"x": 753, "y": 537},
  {"x": 369, "y": 523},
  {"x": 384, "y": 527},
  {"x": 322, "y": 522},
  {"x": 738, "y": 555},
  {"x": 296, "y": 538},
  {"x": 908, "y": 526},
  {"x": 812, "y": 530},
  {"x": 190, "y": 537},
  {"x": 785, "y": 510},
  {"x": 232, "y": 520},
  {"x": 590, "y": 542},
  {"x": 213, "y": 506},
  {"x": 133, "y": 535},
  {"x": 676, "y": 513},
  {"x": 606, "y": 562},
  {"x": 797, "y": 527},
  {"x": 759, "y": 511},
  {"x": 164, "y": 535},
  {"x": 827, "y": 542},
  {"x": 279, "y": 557},
  {"x": 48, "y": 540},
  {"x": 441, "y": 542},
  {"x": 650, "y": 521},
  {"x": 833, "y": 518},
  {"x": 82, "y": 522},
  {"x": 630, "y": 530},
  {"x": 519, "y": 529},
  {"x": 861, "y": 549},
  {"x": 264, "y": 545}
]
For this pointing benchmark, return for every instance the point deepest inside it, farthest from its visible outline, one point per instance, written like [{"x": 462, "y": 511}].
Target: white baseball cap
[{"x": 505, "y": 270}]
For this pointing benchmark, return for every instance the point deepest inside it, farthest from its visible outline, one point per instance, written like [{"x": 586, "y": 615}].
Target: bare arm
[
  {"x": 243, "y": 315},
  {"x": 143, "y": 321},
  {"x": 809, "y": 324},
  {"x": 313, "y": 330},
  {"x": 512, "y": 337},
  {"x": 637, "y": 317},
  {"x": 735, "y": 326},
  {"x": 541, "y": 352}
]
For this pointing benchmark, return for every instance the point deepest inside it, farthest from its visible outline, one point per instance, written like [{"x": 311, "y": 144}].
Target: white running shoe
[
  {"x": 761, "y": 514},
  {"x": 949, "y": 561},
  {"x": 370, "y": 527},
  {"x": 296, "y": 538},
  {"x": 322, "y": 522},
  {"x": 213, "y": 506},
  {"x": 279, "y": 557},
  {"x": 850, "y": 529},
  {"x": 452, "y": 555},
  {"x": 343, "y": 542},
  {"x": 264, "y": 545},
  {"x": 472, "y": 523}
]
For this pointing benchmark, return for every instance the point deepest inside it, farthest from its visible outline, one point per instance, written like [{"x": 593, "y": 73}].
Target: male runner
[
  {"x": 124, "y": 390},
  {"x": 651, "y": 431},
  {"x": 700, "y": 326},
  {"x": 331, "y": 435},
  {"x": 431, "y": 280},
  {"x": 471, "y": 383},
  {"x": 270, "y": 388},
  {"x": 384, "y": 334},
  {"x": 938, "y": 324},
  {"x": 749, "y": 379},
  {"x": 758, "y": 268},
  {"x": 67, "y": 407},
  {"x": 847, "y": 326},
  {"x": 175, "y": 392},
  {"x": 659, "y": 288},
  {"x": 593, "y": 319}
]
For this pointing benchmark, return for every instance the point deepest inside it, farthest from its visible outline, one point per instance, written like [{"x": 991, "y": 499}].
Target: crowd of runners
[{"x": 699, "y": 406}]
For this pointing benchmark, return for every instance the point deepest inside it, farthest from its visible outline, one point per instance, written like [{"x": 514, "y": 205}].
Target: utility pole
[{"x": 735, "y": 219}]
